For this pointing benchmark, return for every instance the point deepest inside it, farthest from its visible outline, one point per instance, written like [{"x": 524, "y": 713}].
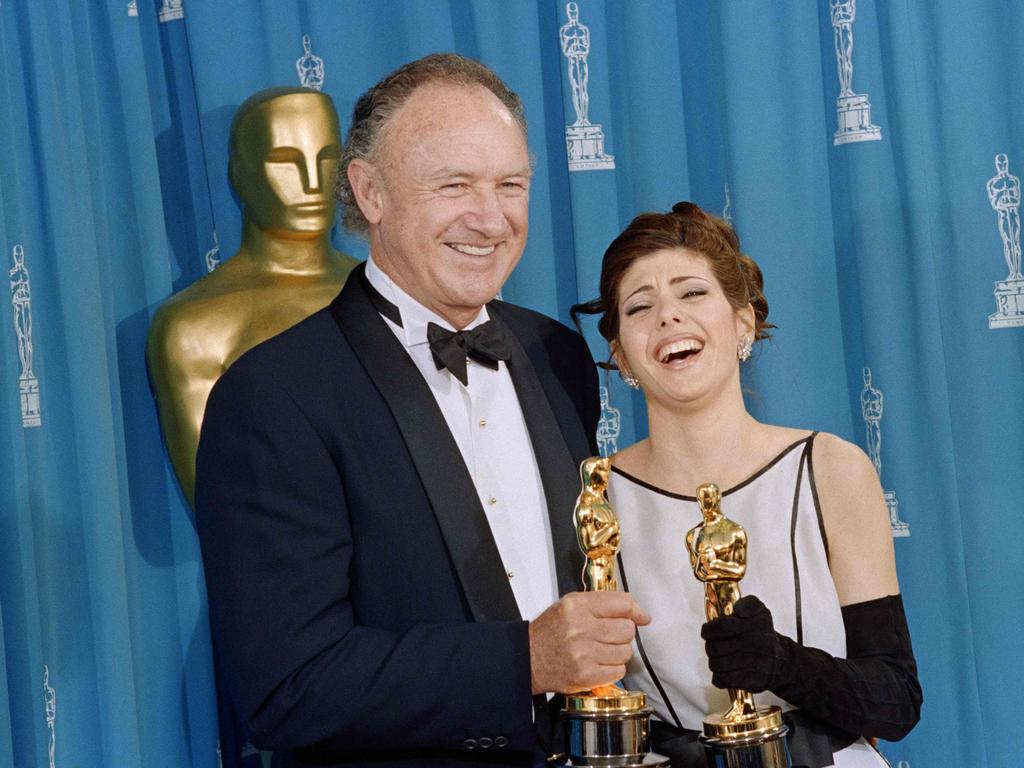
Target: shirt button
[
  {"x": 492, "y": 500},
  {"x": 485, "y": 742},
  {"x": 469, "y": 743},
  {"x": 501, "y": 741},
  {"x": 483, "y": 422},
  {"x": 510, "y": 575}
]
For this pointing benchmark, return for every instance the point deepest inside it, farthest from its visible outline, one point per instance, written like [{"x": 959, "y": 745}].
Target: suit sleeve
[{"x": 277, "y": 545}]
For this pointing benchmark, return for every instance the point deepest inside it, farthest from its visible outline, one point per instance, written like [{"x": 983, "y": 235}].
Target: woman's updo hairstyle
[{"x": 685, "y": 226}]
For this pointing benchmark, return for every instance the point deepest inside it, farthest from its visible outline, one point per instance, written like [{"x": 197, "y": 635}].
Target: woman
[{"x": 820, "y": 630}]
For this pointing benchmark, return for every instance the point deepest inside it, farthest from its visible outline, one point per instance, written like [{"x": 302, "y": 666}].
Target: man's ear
[{"x": 368, "y": 189}]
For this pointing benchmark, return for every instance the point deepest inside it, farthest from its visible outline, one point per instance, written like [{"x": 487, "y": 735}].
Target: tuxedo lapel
[
  {"x": 434, "y": 453},
  {"x": 558, "y": 472}
]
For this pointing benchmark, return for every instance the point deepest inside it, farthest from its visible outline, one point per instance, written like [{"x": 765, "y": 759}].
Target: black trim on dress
[
  {"x": 797, "y": 602},
  {"x": 814, "y": 494},
  {"x": 643, "y": 654},
  {"x": 735, "y": 488}
]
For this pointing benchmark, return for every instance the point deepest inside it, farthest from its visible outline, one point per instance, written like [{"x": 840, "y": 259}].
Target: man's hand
[{"x": 583, "y": 640}]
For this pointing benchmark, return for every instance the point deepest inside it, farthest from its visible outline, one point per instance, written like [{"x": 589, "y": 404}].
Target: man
[{"x": 395, "y": 498}]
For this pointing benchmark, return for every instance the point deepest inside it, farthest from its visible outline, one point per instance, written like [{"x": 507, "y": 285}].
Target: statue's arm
[
  {"x": 689, "y": 546},
  {"x": 585, "y": 526},
  {"x": 182, "y": 378},
  {"x": 717, "y": 566},
  {"x": 605, "y": 529}
]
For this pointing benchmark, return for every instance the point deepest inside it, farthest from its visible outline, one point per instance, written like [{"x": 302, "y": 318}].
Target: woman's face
[{"x": 677, "y": 330}]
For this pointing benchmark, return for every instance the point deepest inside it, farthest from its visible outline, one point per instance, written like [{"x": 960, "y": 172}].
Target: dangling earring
[
  {"x": 631, "y": 381},
  {"x": 744, "y": 348}
]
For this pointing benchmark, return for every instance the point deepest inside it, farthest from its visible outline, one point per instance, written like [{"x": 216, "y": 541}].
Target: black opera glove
[
  {"x": 872, "y": 692},
  {"x": 744, "y": 650}
]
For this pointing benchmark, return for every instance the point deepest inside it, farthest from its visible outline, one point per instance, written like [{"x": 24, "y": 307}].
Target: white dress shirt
[{"x": 487, "y": 422}]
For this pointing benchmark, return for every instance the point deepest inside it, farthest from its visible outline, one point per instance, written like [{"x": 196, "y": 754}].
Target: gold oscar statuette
[
  {"x": 608, "y": 725},
  {"x": 283, "y": 156},
  {"x": 744, "y": 735}
]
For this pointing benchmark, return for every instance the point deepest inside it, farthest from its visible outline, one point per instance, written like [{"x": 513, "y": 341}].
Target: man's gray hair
[{"x": 375, "y": 107}]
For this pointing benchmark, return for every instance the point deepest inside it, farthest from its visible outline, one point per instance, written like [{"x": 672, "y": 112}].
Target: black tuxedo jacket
[{"x": 359, "y": 606}]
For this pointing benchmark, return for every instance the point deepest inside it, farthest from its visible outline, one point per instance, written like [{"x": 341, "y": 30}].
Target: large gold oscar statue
[
  {"x": 744, "y": 735},
  {"x": 284, "y": 151},
  {"x": 606, "y": 726}
]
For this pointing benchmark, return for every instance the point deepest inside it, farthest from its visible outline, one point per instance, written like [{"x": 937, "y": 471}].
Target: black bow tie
[{"x": 486, "y": 344}]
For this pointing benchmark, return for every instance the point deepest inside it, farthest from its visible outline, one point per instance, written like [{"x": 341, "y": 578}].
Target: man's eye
[
  {"x": 454, "y": 187},
  {"x": 513, "y": 186}
]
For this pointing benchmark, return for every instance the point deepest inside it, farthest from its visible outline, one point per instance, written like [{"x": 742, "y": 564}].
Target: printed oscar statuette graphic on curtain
[
  {"x": 853, "y": 110},
  {"x": 171, "y": 10},
  {"x": 584, "y": 140},
  {"x": 872, "y": 402},
  {"x": 21, "y": 301},
  {"x": 211, "y": 260},
  {"x": 310, "y": 67},
  {"x": 608, "y": 427},
  {"x": 1004, "y": 197},
  {"x": 50, "y": 700}
]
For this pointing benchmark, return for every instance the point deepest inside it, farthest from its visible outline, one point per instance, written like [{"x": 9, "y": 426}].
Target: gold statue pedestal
[
  {"x": 609, "y": 731},
  {"x": 755, "y": 740}
]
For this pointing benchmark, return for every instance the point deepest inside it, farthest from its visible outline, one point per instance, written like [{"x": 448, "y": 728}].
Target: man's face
[
  {"x": 288, "y": 156},
  {"x": 448, "y": 215}
]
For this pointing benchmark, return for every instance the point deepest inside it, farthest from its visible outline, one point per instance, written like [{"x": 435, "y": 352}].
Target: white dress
[{"x": 787, "y": 568}]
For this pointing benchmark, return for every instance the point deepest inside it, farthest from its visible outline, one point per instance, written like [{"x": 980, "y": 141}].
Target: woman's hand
[{"x": 744, "y": 650}]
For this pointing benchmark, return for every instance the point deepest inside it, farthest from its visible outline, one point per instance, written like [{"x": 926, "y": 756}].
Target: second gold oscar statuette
[{"x": 744, "y": 735}]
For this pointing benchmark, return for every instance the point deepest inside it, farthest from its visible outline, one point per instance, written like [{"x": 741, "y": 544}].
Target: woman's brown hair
[{"x": 685, "y": 226}]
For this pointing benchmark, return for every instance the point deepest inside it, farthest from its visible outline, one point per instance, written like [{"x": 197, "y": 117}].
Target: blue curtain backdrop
[{"x": 856, "y": 154}]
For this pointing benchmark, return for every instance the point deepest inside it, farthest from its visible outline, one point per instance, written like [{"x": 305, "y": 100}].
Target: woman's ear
[
  {"x": 616, "y": 353},
  {"x": 745, "y": 322}
]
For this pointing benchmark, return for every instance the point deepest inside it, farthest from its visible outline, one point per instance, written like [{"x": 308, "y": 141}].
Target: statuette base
[
  {"x": 854, "y": 116},
  {"x": 627, "y": 702},
  {"x": 609, "y": 731},
  {"x": 1009, "y": 303},
  {"x": 28, "y": 390},
  {"x": 585, "y": 146},
  {"x": 765, "y": 720},
  {"x": 755, "y": 741}
]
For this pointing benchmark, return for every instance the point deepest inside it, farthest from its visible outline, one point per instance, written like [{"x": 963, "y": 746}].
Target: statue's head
[
  {"x": 573, "y": 12},
  {"x": 710, "y": 500},
  {"x": 283, "y": 159},
  {"x": 1002, "y": 163},
  {"x": 594, "y": 473},
  {"x": 867, "y": 377}
]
